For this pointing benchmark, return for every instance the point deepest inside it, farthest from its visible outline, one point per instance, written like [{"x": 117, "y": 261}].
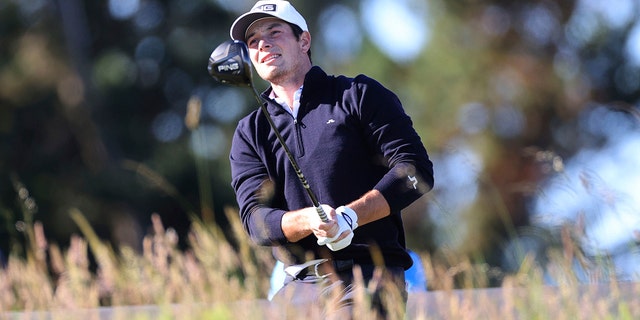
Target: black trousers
[{"x": 344, "y": 290}]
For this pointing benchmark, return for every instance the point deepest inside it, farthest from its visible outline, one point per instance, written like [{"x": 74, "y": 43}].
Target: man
[{"x": 356, "y": 147}]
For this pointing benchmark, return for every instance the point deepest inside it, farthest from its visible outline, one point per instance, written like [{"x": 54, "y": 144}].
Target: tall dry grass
[
  {"x": 211, "y": 271},
  {"x": 213, "y": 279}
]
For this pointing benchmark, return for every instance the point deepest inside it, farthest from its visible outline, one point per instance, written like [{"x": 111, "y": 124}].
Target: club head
[{"x": 229, "y": 63}]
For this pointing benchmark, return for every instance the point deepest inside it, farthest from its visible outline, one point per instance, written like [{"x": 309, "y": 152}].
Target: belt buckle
[
  {"x": 337, "y": 267},
  {"x": 317, "y": 272},
  {"x": 296, "y": 270}
]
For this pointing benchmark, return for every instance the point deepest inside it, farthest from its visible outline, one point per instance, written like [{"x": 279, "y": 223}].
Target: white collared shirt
[{"x": 296, "y": 102}]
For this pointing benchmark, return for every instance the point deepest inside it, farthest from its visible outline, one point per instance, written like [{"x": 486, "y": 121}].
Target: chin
[{"x": 271, "y": 76}]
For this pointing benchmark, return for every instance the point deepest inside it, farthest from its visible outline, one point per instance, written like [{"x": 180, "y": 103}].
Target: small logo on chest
[{"x": 330, "y": 121}]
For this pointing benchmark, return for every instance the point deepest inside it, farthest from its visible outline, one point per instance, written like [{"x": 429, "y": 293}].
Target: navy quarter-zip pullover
[{"x": 351, "y": 135}]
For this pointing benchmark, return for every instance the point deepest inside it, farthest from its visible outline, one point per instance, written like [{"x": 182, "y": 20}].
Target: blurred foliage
[
  {"x": 212, "y": 279},
  {"x": 93, "y": 95}
]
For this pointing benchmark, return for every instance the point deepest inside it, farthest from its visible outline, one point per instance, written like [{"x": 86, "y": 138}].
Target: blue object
[
  {"x": 414, "y": 276},
  {"x": 277, "y": 279}
]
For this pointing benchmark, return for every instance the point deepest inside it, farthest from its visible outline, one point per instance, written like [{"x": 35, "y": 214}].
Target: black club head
[{"x": 229, "y": 63}]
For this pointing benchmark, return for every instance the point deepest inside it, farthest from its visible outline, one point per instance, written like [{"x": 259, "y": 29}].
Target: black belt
[{"x": 342, "y": 265}]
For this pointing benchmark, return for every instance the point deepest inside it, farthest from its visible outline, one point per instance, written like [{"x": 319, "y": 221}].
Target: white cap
[{"x": 264, "y": 9}]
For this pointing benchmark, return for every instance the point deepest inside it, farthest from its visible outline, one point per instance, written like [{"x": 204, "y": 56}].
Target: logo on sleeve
[{"x": 414, "y": 180}]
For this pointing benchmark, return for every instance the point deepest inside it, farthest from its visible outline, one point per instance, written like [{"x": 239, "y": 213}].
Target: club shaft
[{"x": 292, "y": 160}]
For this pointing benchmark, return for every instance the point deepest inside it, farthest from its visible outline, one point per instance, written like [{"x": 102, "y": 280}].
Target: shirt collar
[{"x": 296, "y": 101}]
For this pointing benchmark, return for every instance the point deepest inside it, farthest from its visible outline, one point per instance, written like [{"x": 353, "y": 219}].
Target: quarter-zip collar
[
  {"x": 315, "y": 81},
  {"x": 293, "y": 110}
]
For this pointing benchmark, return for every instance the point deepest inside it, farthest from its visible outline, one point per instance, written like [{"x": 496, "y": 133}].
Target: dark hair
[{"x": 297, "y": 31}]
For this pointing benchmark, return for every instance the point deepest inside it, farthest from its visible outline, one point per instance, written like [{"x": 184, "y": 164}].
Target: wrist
[{"x": 349, "y": 215}]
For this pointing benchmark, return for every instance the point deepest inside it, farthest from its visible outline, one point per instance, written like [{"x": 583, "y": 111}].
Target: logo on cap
[{"x": 268, "y": 7}]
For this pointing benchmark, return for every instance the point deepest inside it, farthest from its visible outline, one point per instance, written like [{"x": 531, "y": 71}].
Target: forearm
[
  {"x": 370, "y": 207},
  {"x": 299, "y": 224},
  {"x": 295, "y": 225}
]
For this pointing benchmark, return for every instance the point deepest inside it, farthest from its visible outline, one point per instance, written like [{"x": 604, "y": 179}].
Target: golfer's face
[{"x": 274, "y": 49}]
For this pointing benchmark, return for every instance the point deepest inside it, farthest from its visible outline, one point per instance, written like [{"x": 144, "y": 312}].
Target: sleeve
[
  {"x": 251, "y": 184},
  {"x": 391, "y": 131}
]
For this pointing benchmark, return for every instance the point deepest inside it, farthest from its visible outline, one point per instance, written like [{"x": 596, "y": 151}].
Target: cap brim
[{"x": 239, "y": 27}]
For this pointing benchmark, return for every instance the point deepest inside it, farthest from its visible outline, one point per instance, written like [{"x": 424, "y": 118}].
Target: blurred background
[{"x": 529, "y": 110}]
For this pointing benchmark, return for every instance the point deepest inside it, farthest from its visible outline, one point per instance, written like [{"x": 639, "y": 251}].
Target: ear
[{"x": 305, "y": 41}]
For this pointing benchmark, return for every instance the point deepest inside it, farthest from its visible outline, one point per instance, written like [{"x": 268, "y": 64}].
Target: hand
[
  {"x": 326, "y": 231},
  {"x": 348, "y": 221}
]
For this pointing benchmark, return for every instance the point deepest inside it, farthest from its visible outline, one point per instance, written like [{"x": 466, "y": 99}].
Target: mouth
[{"x": 270, "y": 57}]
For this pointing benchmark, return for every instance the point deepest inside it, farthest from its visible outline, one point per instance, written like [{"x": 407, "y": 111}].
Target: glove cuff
[{"x": 349, "y": 215}]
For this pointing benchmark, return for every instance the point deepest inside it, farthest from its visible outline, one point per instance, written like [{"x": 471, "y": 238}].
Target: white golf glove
[{"x": 347, "y": 220}]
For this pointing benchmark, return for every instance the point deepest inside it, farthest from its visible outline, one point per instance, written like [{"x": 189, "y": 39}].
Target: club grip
[{"x": 322, "y": 214}]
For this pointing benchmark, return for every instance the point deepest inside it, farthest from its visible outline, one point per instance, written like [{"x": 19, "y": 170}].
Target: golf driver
[{"x": 229, "y": 63}]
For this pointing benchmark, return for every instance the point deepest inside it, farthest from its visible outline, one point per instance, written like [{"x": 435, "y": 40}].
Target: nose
[{"x": 262, "y": 44}]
